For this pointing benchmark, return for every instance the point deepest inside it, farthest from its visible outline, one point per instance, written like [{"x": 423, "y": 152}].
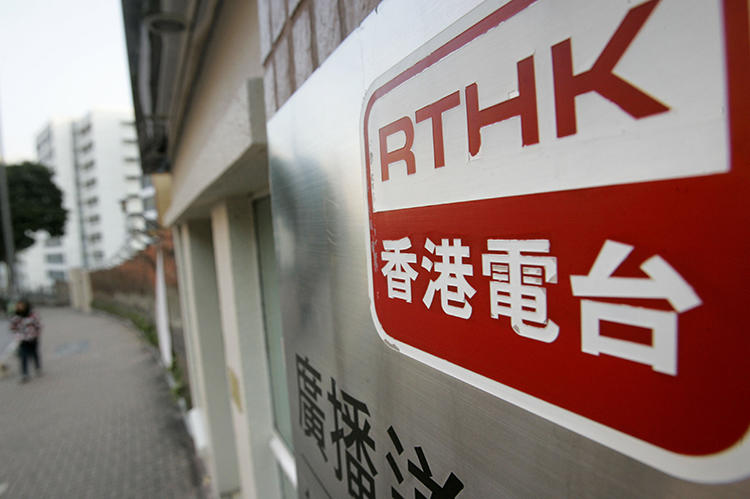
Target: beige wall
[
  {"x": 220, "y": 156},
  {"x": 219, "y": 127},
  {"x": 258, "y": 54}
]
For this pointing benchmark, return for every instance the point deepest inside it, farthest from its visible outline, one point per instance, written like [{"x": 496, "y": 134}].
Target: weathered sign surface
[{"x": 557, "y": 201}]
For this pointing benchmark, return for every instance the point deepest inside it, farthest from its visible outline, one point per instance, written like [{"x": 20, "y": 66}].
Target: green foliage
[
  {"x": 180, "y": 390},
  {"x": 36, "y": 203}
]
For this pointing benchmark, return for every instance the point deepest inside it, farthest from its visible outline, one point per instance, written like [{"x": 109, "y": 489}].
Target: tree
[{"x": 35, "y": 204}]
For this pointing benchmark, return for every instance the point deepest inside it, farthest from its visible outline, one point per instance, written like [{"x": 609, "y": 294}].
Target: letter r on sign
[{"x": 403, "y": 153}]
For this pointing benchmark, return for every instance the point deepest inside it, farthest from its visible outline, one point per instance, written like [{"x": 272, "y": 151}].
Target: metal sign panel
[
  {"x": 555, "y": 195},
  {"x": 369, "y": 421}
]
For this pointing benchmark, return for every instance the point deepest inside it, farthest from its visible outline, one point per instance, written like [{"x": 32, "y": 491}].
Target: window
[
  {"x": 92, "y": 201},
  {"x": 149, "y": 204},
  {"x": 55, "y": 258},
  {"x": 87, "y": 165},
  {"x": 95, "y": 238},
  {"x": 44, "y": 137},
  {"x": 52, "y": 242},
  {"x": 44, "y": 149},
  {"x": 129, "y": 141},
  {"x": 56, "y": 275},
  {"x": 131, "y": 159},
  {"x": 269, "y": 283},
  {"x": 83, "y": 128},
  {"x": 86, "y": 148},
  {"x": 90, "y": 183},
  {"x": 93, "y": 219}
]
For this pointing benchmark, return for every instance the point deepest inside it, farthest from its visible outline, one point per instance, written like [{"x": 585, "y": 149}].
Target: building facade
[
  {"x": 332, "y": 320},
  {"x": 96, "y": 164},
  {"x": 55, "y": 149},
  {"x": 109, "y": 183}
]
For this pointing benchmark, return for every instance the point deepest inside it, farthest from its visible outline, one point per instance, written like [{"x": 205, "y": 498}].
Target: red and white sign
[{"x": 557, "y": 199}]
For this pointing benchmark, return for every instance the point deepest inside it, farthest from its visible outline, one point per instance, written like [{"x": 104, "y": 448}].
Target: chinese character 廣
[{"x": 311, "y": 416}]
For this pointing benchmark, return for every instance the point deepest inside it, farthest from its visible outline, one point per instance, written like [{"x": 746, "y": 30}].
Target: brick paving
[{"x": 100, "y": 422}]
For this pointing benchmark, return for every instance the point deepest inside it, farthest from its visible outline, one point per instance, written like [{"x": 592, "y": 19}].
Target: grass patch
[{"x": 180, "y": 389}]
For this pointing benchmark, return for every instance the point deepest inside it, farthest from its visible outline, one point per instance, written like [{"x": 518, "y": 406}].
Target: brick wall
[{"x": 296, "y": 36}]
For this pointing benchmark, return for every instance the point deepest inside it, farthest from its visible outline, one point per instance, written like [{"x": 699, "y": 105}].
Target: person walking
[{"x": 26, "y": 326}]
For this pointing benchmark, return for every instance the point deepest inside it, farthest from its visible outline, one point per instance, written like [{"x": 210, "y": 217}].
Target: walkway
[{"x": 100, "y": 422}]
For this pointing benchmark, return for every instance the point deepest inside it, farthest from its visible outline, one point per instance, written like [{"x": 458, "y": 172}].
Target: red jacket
[{"x": 26, "y": 328}]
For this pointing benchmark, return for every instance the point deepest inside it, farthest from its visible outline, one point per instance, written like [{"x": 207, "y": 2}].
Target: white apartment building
[
  {"x": 109, "y": 185},
  {"x": 48, "y": 260},
  {"x": 97, "y": 166}
]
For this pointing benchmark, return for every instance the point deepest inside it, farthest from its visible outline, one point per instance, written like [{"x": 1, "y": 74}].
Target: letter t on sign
[
  {"x": 435, "y": 112},
  {"x": 403, "y": 153}
]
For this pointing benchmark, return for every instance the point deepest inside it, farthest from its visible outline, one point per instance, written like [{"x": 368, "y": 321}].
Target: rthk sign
[{"x": 557, "y": 198}]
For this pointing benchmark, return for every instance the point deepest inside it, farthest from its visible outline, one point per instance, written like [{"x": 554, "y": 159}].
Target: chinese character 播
[
  {"x": 311, "y": 416},
  {"x": 451, "y": 283},
  {"x": 516, "y": 287},
  {"x": 422, "y": 472},
  {"x": 397, "y": 269},
  {"x": 354, "y": 433},
  {"x": 663, "y": 282}
]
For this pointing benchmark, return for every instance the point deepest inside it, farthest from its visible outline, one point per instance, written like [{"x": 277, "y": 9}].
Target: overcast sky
[{"x": 58, "y": 59}]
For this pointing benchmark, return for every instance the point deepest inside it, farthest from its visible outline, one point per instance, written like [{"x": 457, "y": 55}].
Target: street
[
  {"x": 99, "y": 422},
  {"x": 5, "y": 337}
]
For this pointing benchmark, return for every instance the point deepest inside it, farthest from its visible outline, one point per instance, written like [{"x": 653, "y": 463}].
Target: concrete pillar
[
  {"x": 202, "y": 304},
  {"x": 161, "y": 312},
  {"x": 81, "y": 293},
  {"x": 244, "y": 345},
  {"x": 196, "y": 393},
  {"x": 195, "y": 418}
]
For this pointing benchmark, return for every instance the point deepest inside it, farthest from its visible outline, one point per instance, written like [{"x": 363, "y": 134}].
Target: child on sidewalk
[{"x": 27, "y": 328}]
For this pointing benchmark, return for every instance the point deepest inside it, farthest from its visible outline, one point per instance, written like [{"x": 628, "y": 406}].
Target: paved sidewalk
[{"x": 100, "y": 422}]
